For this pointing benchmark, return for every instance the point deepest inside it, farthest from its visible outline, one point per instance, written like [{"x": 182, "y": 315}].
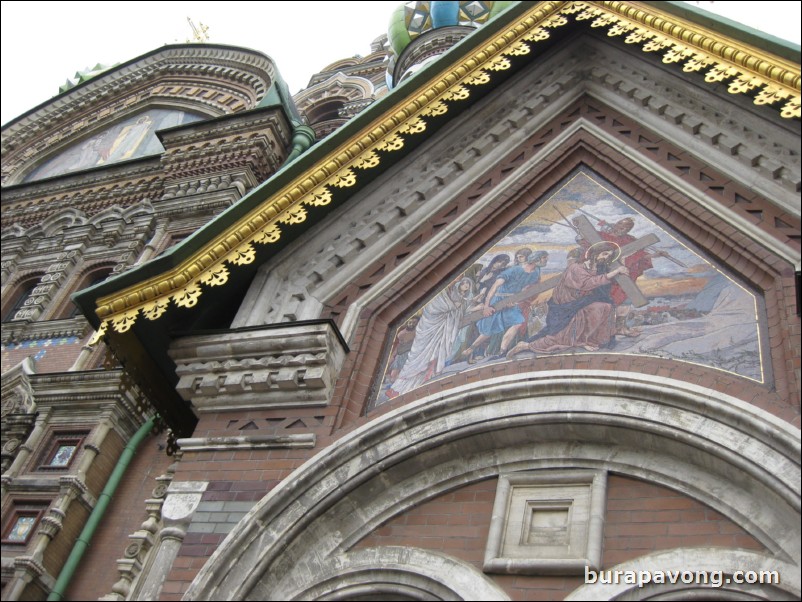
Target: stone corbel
[{"x": 258, "y": 368}]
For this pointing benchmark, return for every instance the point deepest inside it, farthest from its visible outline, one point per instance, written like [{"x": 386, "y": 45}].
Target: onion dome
[{"x": 420, "y": 31}]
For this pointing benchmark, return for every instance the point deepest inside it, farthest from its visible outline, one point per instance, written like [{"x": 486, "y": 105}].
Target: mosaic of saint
[
  {"x": 585, "y": 272},
  {"x": 128, "y": 139}
]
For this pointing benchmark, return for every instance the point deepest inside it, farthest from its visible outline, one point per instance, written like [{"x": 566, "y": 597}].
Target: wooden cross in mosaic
[{"x": 627, "y": 284}]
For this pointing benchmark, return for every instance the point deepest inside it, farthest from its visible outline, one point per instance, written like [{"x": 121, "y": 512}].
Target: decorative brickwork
[{"x": 745, "y": 257}]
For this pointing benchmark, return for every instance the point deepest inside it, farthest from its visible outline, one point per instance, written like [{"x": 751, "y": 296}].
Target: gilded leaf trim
[
  {"x": 392, "y": 142},
  {"x": 243, "y": 255},
  {"x": 98, "y": 334},
  {"x": 479, "y": 79},
  {"x": 459, "y": 92},
  {"x": 272, "y": 232},
  {"x": 344, "y": 179},
  {"x": 691, "y": 46},
  {"x": 792, "y": 108},
  {"x": 188, "y": 296},
  {"x": 366, "y": 161},
  {"x": 436, "y": 108},
  {"x": 679, "y": 42},
  {"x": 123, "y": 322},
  {"x": 297, "y": 215},
  {"x": 414, "y": 126},
  {"x": 154, "y": 310},
  {"x": 216, "y": 276}
]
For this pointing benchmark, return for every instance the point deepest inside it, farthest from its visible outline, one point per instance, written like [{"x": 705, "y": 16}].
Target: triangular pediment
[
  {"x": 246, "y": 254},
  {"x": 408, "y": 117}
]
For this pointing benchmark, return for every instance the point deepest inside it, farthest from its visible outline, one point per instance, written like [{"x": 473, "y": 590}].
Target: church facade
[{"x": 507, "y": 309}]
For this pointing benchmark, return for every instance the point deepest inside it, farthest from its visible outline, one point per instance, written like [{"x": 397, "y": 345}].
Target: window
[
  {"x": 91, "y": 279},
  {"x": 62, "y": 451},
  {"x": 24, "y": 290},
  {"x": 22, "y": 521}
]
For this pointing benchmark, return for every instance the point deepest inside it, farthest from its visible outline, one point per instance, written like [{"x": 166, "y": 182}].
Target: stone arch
[
  {"x": 177, "y": 76},
  {"x": 401, "y": 572},
  {"x": 323, "y": 104},
  {"x": 90, "y": 273},
  {"x": 339, "y": 85},
  {"x": 737, "y": 459},
  {"x": 110, "y": 214},
  {"x": 58, "y": 222},
  {"x": 20, "y": 290},
  {"x": 142, "y": 208},
  {"x": 13, "y": 231},
  {"x": 91, "y": 141}
]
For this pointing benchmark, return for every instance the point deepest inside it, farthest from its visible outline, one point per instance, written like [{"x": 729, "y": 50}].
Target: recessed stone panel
[{"x": 547, "y": 522}]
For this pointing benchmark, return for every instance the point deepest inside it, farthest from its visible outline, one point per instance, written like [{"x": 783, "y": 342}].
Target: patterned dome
[{"x": 411, "y": 19}]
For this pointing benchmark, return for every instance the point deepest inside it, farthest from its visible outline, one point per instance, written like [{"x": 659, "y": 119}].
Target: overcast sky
[{"x": 44, "y": 43}]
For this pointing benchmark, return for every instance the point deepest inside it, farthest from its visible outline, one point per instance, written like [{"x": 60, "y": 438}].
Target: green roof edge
[{"x": 172, "y": 257}]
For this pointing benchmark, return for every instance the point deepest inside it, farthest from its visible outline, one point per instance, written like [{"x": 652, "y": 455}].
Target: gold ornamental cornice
[
  {"x": 743, "y": 68},
  {"x": 237, "y": 245},
  {"x": 679, "y": 41}
]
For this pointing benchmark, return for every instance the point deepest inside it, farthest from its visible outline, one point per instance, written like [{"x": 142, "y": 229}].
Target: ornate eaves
[{"x": 771, "y": 80}]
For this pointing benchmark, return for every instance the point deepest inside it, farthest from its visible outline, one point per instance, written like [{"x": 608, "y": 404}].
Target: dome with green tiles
[{"x": 84, "y": 75}]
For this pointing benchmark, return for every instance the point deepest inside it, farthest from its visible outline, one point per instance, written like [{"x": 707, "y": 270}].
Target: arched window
[
  {"x": 23, "y": 291},
  {"x": 325, "y": 110}
]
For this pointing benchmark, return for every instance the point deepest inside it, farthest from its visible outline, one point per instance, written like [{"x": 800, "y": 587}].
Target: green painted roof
[{"x": 84, "y": 75}]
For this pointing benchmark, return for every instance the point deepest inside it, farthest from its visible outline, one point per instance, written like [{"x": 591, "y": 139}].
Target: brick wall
[
  {"x": 770, "y": 276},
  {"x": 641, "y": 518},
  {"x": 50, "y": 355},
  {"x": 125, "y": 514}
]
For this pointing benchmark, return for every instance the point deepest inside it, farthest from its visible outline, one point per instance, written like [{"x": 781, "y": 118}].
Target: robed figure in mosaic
[
  {"x": 581, "y": 311},
  {"x": 435, "y": 334}
]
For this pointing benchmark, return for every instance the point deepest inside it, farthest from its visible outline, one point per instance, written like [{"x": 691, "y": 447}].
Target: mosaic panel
[
  {"x": 586, "y": 271},
  {"x": 21, "y": 529},
  {"x": 128, "y": 139}
]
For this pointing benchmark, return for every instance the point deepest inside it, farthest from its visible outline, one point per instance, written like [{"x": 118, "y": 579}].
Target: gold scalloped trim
[
  {"x": 266, "y": 225},
  {"x": 682, "y": 43},
  {"x": 98, "y": 334},
  {"x": 697, "y": 48}
]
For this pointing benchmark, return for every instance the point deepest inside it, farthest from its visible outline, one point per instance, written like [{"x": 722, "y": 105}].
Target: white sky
[{"x": 44, "y": 43}]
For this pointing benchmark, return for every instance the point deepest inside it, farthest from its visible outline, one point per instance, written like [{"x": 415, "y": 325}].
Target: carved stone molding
[
  {"x": 548, "y": 522},
  {"x": 50, "y": 329},
  {"x": 18, "y": 410},
  {"x": 237, "y": 150},
  {"x": 90, "y": 192},
  {"x": 206, "y": 444},
  {"x": 216, "y": 80},
  {"x": 294, "y": 364},
  {"x": 294, "y": 288},
  {"x": 139, "y": 553}
]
